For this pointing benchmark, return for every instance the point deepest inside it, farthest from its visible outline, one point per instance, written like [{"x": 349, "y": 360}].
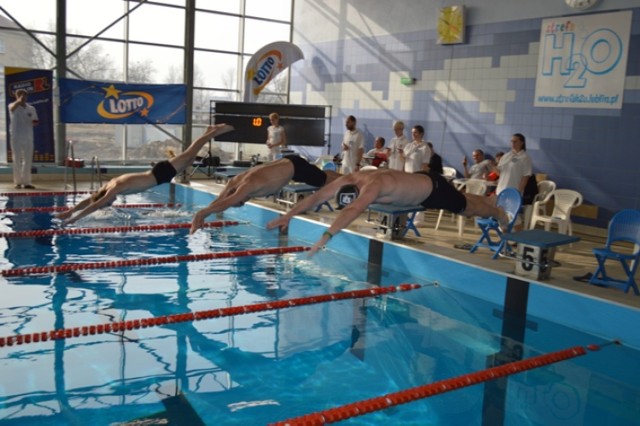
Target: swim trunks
[
  {"x": 444, "y": 195},
  {"x": 164, "y": 172},
  {"x": 305, "y": 172}
]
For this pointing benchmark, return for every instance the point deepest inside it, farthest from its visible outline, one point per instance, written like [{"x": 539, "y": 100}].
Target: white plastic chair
[
  {"x": 472, "y": 186},
  {"x": 544, "y": 188},
  {"x": 449, "y": 173},
  {"x": 369, "y": 167},
  {"x": 564, "y": 201}
]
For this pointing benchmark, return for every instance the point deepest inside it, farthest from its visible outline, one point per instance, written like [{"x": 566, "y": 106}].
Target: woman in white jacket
[{"x": 416, "y": 154}]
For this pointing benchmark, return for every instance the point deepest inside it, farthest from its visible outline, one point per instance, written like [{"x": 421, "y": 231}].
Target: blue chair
[
  {"x": 510, "y": 200},
  {"x": 623, "y": 227},
  {"x": 329, "y": 166}
]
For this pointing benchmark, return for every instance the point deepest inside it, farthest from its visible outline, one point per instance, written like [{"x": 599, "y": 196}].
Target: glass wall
[{"x": 129, "y": 41}]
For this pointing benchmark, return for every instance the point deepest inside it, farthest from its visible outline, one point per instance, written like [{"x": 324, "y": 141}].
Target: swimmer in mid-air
[
  {"x": 385, "y": 186},
  {"x": 260, "y": 181},
  {"x": 129, "y": 183}
]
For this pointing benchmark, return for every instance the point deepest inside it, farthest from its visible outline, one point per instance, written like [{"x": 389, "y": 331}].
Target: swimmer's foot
[{"x": 222, "y": 130}]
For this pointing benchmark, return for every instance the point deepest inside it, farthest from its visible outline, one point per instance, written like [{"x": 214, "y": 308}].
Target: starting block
[
  {"x": 292, "y": 193},
  {"x": 394, "y": 221},
  {"x": 223, "y": 174},
  {"x": 536, "y": 251}
]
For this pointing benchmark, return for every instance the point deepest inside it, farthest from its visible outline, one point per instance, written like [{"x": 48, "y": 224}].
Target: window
[{"x": 148, "y": 47}]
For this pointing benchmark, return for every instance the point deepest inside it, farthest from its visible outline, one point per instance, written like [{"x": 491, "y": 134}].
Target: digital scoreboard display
[{"x": 304, "y": 125}]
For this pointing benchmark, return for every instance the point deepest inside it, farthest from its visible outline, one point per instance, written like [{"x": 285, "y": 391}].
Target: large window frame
[{"x": 140, "y": 52}]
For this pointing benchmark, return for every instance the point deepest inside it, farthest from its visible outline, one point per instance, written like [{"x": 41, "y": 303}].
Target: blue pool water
[{"x": 269, "y": 366}]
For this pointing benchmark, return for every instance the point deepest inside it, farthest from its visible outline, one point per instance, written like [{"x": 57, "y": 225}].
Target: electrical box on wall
[{"x": 407, "y": 81}]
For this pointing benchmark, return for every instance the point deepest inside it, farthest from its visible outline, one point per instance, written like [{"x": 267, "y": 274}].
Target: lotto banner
[
  {"x": 265, "y": 64},
  {"x": 38, "y": 84},
  {"x": 83, "y": 101},
  {"x": 583, "y": 60}
]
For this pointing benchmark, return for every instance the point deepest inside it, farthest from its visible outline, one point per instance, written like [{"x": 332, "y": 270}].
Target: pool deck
[{"x": 575, "y": 260}]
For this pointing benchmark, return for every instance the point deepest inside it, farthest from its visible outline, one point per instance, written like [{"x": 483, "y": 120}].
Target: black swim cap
[{"x": 346, "y": 195}]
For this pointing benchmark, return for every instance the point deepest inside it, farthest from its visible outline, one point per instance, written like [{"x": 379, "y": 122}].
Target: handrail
[
  {"x": 96, "y": 170},
  {"x": 69, "y": 157}
]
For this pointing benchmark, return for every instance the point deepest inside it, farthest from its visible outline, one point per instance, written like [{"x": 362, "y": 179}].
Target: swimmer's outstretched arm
[
  {"x": 93, "y": 206},
  {"x": 346, "y": 216},
  {"x": 81, "y": 205},
  {"x": 225, "y": 200},
  {"x": 318, "y": 197}
]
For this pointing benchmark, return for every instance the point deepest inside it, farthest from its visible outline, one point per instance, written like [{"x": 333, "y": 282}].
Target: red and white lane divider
[
  {"x": 45, "y": 209},
  {"x": 420, "y": 392},
  {"x": 68, "y": 267},
  {"x": 111, "y": 229},
  {"x": 42, "y": 193},
  {"x": 68, "y": 333}
]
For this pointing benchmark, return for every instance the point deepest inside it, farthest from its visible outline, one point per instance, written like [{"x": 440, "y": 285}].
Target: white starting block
[
  {"x": 393, "y": 221},
  {"x": 291, "y": 194},
  {"x": 536, "y": 251}
]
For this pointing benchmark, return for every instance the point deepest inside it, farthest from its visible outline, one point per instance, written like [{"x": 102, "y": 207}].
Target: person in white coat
[
  {"x": 416, "y": 154},
  {"x": 23, "y": 117},
  {"x": 515, "y": 169},
  {"x": 396, "y": 147},
  {"x": 276, "y": 136},
  {"x": 352, "y": 147}
]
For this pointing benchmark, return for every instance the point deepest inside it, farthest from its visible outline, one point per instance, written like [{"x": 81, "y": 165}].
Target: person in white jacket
[
  {"x": 396, "y": 146},
  {"x": 352, "y": 147},
  {"x": 23, "y": 117},
  {"x": 416, "y": 154}
]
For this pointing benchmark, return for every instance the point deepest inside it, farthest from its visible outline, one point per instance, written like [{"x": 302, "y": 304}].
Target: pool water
[{"x": 268, "y": 366}]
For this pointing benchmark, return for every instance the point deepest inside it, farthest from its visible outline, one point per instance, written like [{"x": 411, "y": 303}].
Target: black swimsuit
[
  {"x": 305, "y": 172},
  {"x": 444, "y": 195},
  {"x": 164, "y": 172}
]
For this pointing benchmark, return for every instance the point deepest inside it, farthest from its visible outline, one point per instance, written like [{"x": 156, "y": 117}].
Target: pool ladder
[
  {"x": 96, "y": 172},
  {"x": 70, "y": 162}
]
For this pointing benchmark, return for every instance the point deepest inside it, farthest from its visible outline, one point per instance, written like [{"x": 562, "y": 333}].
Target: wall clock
[
  {"x": 451, "y": 25},
  {"x": 581, "y": 4}
]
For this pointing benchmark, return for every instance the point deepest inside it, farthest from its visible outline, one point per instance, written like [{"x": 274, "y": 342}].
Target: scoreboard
[{"x": 303, "y": 124}]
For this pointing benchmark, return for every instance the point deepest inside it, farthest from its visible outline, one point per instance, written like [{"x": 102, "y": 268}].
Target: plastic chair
[
  {"x": 623, "y": 227},
  {"x": 329, "y": 166},
  {"x": 369, "y": 167},
  {"x": 564, "y": 201},
  {"x": 449, "y": 173},
  {"x": 471, "y": 186},
  {"x": 544, "y": 188},
  {"x": 510, "y": 201}
]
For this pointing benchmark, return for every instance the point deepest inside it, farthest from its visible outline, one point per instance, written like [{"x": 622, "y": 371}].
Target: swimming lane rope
[
  {"x": 42, "y": 193},
  {"x": 68, "y": 267},
  {"x": 111, "y": 229},
  {"x": 65, "y": 208},
  {"x": 67, "y": 333},
  {"x": 425, "y": 391}
]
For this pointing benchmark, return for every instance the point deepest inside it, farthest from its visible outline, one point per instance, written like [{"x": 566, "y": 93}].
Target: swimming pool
[{"x": 268, "y": 366}]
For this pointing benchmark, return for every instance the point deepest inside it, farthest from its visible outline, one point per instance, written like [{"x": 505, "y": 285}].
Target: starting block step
[{"x": 394, "y": 221}]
